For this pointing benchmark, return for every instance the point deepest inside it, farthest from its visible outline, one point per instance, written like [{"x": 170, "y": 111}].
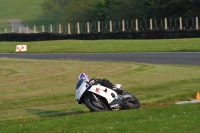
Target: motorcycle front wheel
[{"x": 94, "y": 105}]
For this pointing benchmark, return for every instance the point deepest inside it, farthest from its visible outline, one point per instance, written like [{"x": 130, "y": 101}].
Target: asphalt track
[{"x": 187, "y": 58}]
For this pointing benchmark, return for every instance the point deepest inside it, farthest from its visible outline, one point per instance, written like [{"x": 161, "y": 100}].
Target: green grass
[
  {"x": 20, "y": 9},
  {"x": 38, "y": 96},
  {"x": 3, "y": 24},
  {"x": 169, "y": 119},
  {"x": 108, "y": 46},
  {"x": 28, "y": 11}
]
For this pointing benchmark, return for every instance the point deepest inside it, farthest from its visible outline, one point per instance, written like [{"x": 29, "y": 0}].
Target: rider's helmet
[{"x": 84, "y": 76}]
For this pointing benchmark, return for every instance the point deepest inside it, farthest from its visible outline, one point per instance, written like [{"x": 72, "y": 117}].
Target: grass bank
[
  {"x": 168, "y": 119},
  {"x": 106, "y": 46},
  {"x": 38, "y": 96},
  {"x": 29, "y": 12}
]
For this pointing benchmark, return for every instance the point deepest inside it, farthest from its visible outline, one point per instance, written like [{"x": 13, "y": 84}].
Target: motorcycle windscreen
[
  {"x": 81, "y": 86},
  {"x": 79, "y": 83}
]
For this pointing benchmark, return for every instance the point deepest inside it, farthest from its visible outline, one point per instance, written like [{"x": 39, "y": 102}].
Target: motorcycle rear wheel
[{"x": 130, "y": 103}]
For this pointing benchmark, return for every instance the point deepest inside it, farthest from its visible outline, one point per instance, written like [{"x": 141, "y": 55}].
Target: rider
[{"x": 103, "y": 82}]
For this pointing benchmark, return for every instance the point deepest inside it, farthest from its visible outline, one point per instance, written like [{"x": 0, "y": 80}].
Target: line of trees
[{"x": 71, "y": 11}]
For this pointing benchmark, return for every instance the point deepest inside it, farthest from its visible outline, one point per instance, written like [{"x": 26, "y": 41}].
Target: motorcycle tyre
[
  {"x": 129, "y": 105},
  {"x": 92, "y": 107}
]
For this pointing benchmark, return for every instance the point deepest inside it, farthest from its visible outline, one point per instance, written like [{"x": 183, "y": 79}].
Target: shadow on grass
[{"x": 52, "y": 113}]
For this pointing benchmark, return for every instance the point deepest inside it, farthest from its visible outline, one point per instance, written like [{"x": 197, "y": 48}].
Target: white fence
[{"x": 111, "y": 26}]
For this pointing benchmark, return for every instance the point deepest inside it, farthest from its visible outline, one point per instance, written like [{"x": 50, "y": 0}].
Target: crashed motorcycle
[{"x": 100, "y": 98}]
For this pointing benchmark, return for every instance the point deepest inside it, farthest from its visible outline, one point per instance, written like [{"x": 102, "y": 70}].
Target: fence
[{"x": 111, "y": 26}]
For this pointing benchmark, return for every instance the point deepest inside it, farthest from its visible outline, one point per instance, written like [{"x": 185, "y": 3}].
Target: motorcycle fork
[{"x": 95, "y": 97}]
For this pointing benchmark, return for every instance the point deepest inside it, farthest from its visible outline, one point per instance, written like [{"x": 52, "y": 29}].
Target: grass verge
[
  {"x": 38, "y": 96},
  {"x": 29, "y": 12},
  {"x": 106, "y": 46},
  {"x": 168, "y": 119}
]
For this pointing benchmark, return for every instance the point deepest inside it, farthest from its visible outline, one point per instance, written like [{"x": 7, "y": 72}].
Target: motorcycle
[{"x": 100, "y": 98}]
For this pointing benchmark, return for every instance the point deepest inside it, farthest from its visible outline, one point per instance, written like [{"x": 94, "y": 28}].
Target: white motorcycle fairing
[{"x": 83, "y": 87}]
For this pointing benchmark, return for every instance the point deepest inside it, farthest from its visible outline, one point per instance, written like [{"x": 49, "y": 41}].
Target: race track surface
[{"x": 187, "y": 58}]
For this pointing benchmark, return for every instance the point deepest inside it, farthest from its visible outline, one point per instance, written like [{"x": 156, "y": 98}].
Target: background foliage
[{"x": 104, "y": 10}]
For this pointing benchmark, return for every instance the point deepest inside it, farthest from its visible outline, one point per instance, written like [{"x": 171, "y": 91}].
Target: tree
[
  {"x": 171, "y": 8},
  {"x": 54, "y": 8},
  {"x": 104, "y": 10},
  {"x": 78, "y": 11}
]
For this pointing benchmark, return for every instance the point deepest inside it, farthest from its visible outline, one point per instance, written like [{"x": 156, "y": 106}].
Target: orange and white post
[{"x": 198, "y": 96}]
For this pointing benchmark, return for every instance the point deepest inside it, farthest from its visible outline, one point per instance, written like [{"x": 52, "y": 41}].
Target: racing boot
[{"x": 119, "y": 91}]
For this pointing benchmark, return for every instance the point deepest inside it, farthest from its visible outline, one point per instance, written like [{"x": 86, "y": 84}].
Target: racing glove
[{"x": 92, "y": 81}]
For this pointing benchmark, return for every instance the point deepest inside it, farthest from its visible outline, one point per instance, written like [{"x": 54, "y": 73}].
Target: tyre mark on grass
[
  {"x": 136, "y": 68},
  {"x": 175, "y": 83},
  {"x": 165, "y": 88}
]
